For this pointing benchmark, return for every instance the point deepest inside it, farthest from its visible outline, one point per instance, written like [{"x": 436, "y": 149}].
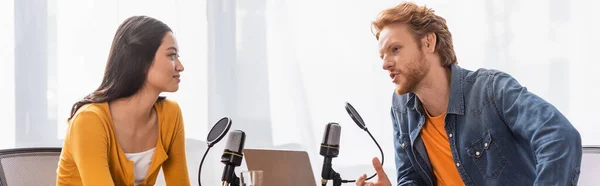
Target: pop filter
[
  {"x": 355, "y": 116},
  {"x": 218, "y": 131},
  {"x": 361, "y": 124}
]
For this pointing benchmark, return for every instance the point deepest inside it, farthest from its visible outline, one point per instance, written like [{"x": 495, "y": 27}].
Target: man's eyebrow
[
  {"x": 381, "y": 52},
  {"x": 387, "y": 48}
]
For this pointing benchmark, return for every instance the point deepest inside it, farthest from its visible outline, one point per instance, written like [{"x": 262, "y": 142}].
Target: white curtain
[{"x": 7, "y": 80}]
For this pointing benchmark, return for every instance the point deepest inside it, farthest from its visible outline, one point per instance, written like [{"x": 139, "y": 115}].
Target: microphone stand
[
  {"x": 331, "y": 174},
  {"x": 236, "y": 181},
  {"x": 232, "y": 180}
]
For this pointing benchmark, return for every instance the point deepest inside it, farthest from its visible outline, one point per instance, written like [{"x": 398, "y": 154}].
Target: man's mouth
[{"x": 393, "y": 76}]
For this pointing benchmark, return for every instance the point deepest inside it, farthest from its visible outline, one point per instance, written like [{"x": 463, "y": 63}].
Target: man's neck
[{"x": 434, "y": 90}]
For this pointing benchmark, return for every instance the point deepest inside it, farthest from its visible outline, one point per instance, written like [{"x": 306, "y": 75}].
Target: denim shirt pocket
[{"x": 487, "y": 156}]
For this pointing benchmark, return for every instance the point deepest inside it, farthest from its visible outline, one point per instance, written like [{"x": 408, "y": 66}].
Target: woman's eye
[{"x": 395, "y": 49}]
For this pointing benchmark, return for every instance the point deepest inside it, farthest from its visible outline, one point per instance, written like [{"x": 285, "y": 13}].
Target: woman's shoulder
[
  {"x": 92, "y": 110},
  {"x": 168, "y": 106},
  {"x": 92, "y": 117},
  {"x": 170, "y": 117},
  {"x": 168, "y": 111}
]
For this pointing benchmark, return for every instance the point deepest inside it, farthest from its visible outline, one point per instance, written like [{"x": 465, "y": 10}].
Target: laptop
[{"x": 281, "y": 167}]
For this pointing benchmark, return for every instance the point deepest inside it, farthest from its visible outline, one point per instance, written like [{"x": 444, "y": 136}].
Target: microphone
[
  {"x": 215, "y": 135},
  {"x": 361, "y": 124},
  {"x": 330, "y": 148},
  {"x": 232, "y": 157}
]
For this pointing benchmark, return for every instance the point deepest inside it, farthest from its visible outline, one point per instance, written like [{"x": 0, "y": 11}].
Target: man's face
[{"x": 402, "y": 57}]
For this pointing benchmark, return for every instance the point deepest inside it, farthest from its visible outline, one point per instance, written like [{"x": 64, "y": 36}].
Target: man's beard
[{"x": 415, "y": 72}]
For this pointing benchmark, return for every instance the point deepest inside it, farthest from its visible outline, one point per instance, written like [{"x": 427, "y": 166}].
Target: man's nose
[{"x": 387, "y": 64}]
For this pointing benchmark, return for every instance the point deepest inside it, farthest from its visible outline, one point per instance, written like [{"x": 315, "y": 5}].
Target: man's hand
[{"x": 382, "y": 179}]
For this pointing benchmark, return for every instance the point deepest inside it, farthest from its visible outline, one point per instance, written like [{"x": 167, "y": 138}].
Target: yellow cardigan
[{"x": 91, "y": 154}]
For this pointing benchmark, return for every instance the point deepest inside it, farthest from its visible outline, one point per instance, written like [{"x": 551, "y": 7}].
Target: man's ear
[{"x": 428, "y": 42}]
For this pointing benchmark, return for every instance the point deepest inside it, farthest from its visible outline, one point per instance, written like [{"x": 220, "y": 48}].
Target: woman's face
[{"x": 164, "y": 74}]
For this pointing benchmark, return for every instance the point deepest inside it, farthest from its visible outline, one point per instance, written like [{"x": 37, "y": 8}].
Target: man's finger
[
  {"x": 379, "y": 169},
  {"x": 361, "y": 180}
]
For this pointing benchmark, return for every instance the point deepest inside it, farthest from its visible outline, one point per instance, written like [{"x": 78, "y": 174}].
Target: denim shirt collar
[{"x": 456, "y": 103}]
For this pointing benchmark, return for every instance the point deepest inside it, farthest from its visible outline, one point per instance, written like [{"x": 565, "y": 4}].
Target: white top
[{"x": 141, "y": 164}]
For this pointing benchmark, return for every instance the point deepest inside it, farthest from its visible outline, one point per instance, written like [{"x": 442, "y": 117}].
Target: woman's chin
[{"x": 172, "y": 89}]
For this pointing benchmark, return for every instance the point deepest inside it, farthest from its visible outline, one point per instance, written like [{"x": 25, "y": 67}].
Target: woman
[{"x": 123, "y": 133}]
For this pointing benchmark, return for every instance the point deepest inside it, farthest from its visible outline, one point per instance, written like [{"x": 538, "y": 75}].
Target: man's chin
[{"x": 401, "y": 90}]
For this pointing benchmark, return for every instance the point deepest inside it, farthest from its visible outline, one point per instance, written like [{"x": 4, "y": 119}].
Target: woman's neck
[{"x": 136, "y": 109}]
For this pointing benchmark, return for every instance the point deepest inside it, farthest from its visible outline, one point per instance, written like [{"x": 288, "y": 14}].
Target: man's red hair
[{"x": 421, "y": 21}]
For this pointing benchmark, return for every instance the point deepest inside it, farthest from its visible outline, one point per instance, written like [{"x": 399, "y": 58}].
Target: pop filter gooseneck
[
  {"x": 361, "y": 124},
  {"x": 218, "y": 131}
]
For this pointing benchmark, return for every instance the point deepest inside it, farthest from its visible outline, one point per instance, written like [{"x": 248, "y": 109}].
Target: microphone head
[
  {"x": 331, "y": 140},
  {"x": 235, "y": 141},
  {"x": 232, "y": 155},
  {"x": 331, "y": 136}
]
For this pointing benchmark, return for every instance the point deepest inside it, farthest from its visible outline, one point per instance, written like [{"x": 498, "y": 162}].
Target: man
[{"x": 453, "y": 126}]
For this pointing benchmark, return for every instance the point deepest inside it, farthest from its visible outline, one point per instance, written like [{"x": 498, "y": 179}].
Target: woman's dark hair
[{"x": 131, "y": 54}]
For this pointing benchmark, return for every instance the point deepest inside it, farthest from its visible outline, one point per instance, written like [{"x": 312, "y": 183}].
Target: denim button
[
  {"x": 485, "y": 145},
  {"x": 403, "y": 145},
  {"x": 458, "y": 164},
  {"x": 477, "y": 153},
  {"x": 449, "y": 135}
]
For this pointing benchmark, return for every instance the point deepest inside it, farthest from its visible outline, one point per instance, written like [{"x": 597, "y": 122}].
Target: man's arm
[
  {"x": 555, "y": 142},
  {"x": 404, "y": 169}
]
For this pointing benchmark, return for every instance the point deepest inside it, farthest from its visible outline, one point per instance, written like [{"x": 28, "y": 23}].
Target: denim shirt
[{"x": 499, "y": 134}]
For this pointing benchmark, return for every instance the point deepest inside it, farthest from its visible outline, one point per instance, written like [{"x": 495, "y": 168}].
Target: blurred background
[{"x": 283, "y": 69}]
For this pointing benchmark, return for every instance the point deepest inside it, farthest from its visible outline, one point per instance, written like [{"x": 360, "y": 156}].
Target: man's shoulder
[
  {"x": 400, "y": 102},
  {"x": 479, "y": 74},
  {"x": 485, "y": 74}
]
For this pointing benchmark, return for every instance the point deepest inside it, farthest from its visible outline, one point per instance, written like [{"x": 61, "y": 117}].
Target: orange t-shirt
[{"x": 438, "y": 150}]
